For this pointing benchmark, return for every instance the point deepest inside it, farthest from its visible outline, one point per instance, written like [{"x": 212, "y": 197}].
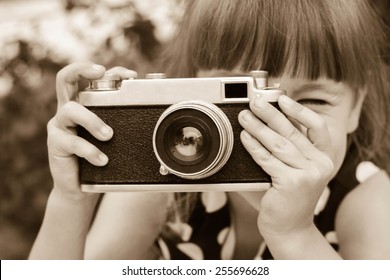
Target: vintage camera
[{"x": 174, "y": 134}]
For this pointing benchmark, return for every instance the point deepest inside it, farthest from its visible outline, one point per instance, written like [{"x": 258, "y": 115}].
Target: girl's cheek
[{"x": 339, "y": 148}]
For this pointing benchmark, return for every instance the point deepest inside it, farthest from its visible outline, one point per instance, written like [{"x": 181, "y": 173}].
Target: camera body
[{"x": 177, "y": 134}]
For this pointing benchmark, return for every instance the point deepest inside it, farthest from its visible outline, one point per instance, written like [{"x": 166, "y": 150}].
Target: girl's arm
[
  {"x": 64, "y": 228},
  {"x": 126, "y": 226},
  {"x": 304, "y": 244},
  {"x": 362, "y": 228},
  {"x": 363, "y": 220},
  {"x": 69, "y": 210}
]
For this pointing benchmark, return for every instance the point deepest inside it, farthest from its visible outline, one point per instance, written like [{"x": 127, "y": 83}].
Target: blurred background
[{"x": 38, "y": 38}]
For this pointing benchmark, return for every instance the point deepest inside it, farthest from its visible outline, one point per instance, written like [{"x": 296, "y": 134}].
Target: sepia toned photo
[{"x": 194, "y": 130}]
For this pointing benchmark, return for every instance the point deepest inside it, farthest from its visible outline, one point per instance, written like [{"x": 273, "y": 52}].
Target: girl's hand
[
  {"x": 64, "y": 146},
  {"x": 297, "y": 159}
]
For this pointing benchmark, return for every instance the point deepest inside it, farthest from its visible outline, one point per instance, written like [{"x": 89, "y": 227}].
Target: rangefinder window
[{"x": 236, "y": 90}]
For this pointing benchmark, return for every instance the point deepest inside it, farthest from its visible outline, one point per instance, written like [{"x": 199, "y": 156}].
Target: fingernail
[
  {"x": 103, "y": 158},
  {"x": 247, "y": 116},
  {"x": 97, "y": 67},
  {"x": 260, "y": 103},
  {"x": 105, "y": 130}
]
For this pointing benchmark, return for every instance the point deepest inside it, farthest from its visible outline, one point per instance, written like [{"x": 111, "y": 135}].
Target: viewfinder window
[{"x": 236, "y": 90}]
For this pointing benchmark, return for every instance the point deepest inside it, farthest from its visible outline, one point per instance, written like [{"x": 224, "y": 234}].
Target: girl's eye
[{"x": 313, "y": 102}]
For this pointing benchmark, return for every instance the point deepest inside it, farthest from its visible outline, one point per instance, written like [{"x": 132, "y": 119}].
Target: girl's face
[{"x": 336, "y": 102}]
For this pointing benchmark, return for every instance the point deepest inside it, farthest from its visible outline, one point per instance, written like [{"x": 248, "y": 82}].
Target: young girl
[{"x": 327, "y": 56}]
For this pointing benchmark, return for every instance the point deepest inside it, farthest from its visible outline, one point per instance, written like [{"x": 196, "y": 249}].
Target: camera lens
[{"x": 193, "y": 139}]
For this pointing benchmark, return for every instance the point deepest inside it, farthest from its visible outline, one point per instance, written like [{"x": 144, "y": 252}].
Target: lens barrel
[{"x": 193, "y": 139}]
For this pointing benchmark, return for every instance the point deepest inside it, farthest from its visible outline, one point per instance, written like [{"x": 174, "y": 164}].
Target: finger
[
  {"x": 63, "y": 144},
  {"x": 73, "y": 114},
  {"x": 278, "y": 122},
  {"x": 317, "y": 130},
  {"x": 123, "y": 72},
  {"x": 266, "y": 160},
  {"x": 68, "y": 77},
  {"x": 300, "y": 127},
  {"x": 276, "y": 144}
]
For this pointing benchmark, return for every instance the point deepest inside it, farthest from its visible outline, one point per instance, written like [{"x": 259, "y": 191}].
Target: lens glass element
[{"x": 188, "y": 144}]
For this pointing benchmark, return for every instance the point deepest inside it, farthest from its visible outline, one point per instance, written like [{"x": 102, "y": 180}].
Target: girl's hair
[{"x": 338, "y": 39}]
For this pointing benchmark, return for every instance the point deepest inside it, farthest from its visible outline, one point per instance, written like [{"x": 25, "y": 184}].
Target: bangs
[{"x": 308, "y": 39}]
